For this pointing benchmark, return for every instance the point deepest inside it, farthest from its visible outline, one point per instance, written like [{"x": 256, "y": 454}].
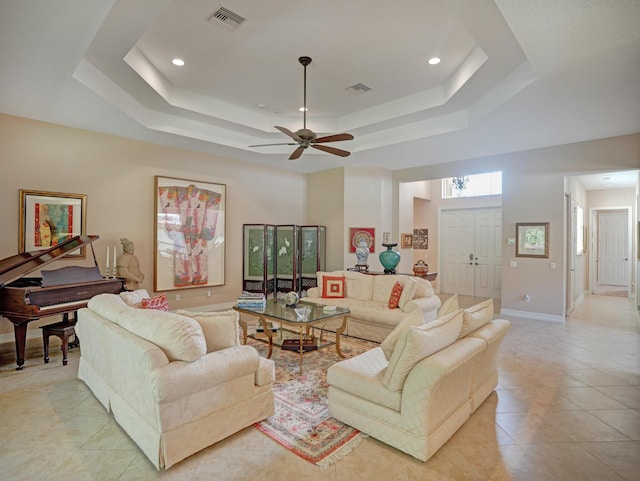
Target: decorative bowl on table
[
  {"x": 291, "y": 299},
  {"x": 302, "y": 312}
]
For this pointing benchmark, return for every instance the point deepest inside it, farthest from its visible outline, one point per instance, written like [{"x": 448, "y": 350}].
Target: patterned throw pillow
[
  {"x": 394, "y": 298},
  {"x": 160, "y": 303},
  {"x": 333, "y": 287}
]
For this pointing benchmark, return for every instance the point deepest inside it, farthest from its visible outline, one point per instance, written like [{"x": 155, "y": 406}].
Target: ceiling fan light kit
[{"x": 306, "y": 138}]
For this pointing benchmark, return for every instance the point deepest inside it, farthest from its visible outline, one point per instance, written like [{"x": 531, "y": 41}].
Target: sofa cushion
[
  {"x": 134, "y": 298},
  {"x": 382, "y": 286},
  {"x": 394, "y": 297},
  {"x": 412, "y": 319},
  {"x": 362, "y": 376},
  {"x": 160, "y": 303},
  {"x": 360, "y": 286},
  {"x": 109, "y": 306},
  {"x": 180, "y": 337},
  {"x": 220, "y": 328},
  {"x": 476, "y": 316},
  {"x": 376, "y": 313},
  {"x": 423, "y": 288},
  {"x": 408, "y": 291},
  {"x": 333, "y": 287},
  {"x": 449, "y": 306},
  {"x": 417, "y": 343}
]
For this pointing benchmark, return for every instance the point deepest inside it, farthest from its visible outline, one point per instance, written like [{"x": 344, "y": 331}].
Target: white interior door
[
  {"x": 613, "y": 249},
  {"x": 472, "y": 251},
  {"x": 458, "y": 241}
]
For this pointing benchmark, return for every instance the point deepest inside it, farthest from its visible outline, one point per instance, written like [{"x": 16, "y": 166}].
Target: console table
[{"x": 431, "y": 276}]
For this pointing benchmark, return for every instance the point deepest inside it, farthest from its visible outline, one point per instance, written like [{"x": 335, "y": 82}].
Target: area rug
[{"x": 301, "y": 422}]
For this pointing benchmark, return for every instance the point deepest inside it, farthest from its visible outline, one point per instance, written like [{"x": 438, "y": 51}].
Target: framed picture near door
[{"x": 532, "y": 239}]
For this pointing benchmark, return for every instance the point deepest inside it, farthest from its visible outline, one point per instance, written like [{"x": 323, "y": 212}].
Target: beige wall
[
  {"x": 117, "y": 175},
  {"x": 325, "y": 206},
  {"x": 534, "y": 191}
]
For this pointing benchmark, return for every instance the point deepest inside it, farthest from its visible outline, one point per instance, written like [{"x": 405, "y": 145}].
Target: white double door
[{"x": 472, "y": 251}]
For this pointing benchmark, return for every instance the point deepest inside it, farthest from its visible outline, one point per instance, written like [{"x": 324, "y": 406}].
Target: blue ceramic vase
[{"x": 389, "y": 259}]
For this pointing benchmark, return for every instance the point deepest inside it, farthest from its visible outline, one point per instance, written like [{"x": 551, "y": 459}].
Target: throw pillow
[
  {"x": 417, "y": 343},
  {"x": 161, "y": 303},
  {"x": 332, "y": 287},
  {"x": 412, "y": 319},
  {"x": 134, "y": 298},
  {"x": 179, "y": 337},
  {"x": 220, "y": 328},
  {"x": 476, "y": 316},
  {"x": 394, "y": 298},
  {"x": 408, "y": 292},
  {"x": 449, "y": 306}
]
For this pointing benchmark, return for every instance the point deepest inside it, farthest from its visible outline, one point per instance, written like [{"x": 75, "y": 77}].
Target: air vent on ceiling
[
  {"x": 226, "y": 17},
  {"x": 358, "y": 89}
]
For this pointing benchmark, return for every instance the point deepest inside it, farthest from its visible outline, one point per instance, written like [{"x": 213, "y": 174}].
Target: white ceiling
[{"x": 515, "y": 74}]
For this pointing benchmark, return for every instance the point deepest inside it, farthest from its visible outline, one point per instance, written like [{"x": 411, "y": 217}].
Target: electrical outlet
[
  {"x": 527, "y": 298},
  {"x": 208, "y": 293},
  {"x": 177, "y": 297}
]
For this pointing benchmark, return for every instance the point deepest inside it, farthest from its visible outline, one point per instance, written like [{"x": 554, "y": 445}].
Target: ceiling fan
[{"x": 304, "y": 137}]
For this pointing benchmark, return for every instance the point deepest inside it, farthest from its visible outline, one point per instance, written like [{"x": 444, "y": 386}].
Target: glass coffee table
[{"x": 286, "y": 316}]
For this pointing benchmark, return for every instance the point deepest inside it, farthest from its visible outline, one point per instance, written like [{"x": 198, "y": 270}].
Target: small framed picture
[
  {"x": 532, "y": 239},
  {"x": 406, "y": 241},
  {"x": 48, "y": 218}
]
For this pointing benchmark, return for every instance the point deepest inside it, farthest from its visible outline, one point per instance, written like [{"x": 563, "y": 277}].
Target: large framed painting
[
  {"x": 189, "y": 235},
  {"x": 48, "y": 218},
  {"x": 532, "y": 239}
]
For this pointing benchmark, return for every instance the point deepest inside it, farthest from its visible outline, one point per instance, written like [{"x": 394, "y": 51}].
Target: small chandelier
[{"x": 460, "y": 183}]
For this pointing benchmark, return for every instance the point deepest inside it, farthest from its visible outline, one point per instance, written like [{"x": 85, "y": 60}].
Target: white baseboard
[{"x": 538, "y": 316}]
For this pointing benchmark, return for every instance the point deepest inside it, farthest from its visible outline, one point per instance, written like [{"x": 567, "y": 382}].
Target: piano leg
[{"x": 20, "y": 332}]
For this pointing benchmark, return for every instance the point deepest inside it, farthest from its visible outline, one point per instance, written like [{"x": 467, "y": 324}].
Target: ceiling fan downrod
[{"x": 304, "y": 61}]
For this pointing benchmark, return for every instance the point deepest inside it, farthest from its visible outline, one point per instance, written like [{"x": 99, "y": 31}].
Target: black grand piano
[{"x": 61, "y": 291}]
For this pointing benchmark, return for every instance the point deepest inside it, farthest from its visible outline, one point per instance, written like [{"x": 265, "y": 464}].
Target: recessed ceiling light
[
  {"x": 434, "y": 61},
  {"x": 302, "y": 109},
  {"x": 178, "y": 62},
  {"x": 608, "y": 185}
]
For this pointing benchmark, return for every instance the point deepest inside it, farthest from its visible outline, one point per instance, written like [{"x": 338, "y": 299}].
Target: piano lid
[{"x": 20, "y": 265}]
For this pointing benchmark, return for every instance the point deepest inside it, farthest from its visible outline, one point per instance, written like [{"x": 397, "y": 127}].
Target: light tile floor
[{"x": 567, "y": 408}]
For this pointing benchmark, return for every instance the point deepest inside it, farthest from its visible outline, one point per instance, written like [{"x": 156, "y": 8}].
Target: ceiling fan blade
[
  {"x": 296, "y": 153},
  {"x": 266, "y": 145},
  {"x": 333, "y": 138},
  {"x": 286, "y": 131},
  {"x": 332, "y": 150}
]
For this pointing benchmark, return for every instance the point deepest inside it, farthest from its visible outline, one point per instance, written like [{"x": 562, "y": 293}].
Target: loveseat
[
  {"x": 423, "y": 382},
  {"x": 368, "y": 298},
  {"x": 175, "y": 383}
]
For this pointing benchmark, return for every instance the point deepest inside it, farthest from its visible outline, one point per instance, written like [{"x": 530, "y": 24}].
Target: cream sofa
[
  {"x": 417, "y": 403},
  {"x": 175, "y": 384},
  {"x": 367, "y": 297}
]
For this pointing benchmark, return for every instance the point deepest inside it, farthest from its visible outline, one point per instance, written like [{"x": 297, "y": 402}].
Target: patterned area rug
[{"x": 301, "y": 422}]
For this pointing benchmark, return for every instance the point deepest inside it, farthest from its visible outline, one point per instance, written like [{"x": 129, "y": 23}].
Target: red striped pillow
[{"x": 160, "y": 303}]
